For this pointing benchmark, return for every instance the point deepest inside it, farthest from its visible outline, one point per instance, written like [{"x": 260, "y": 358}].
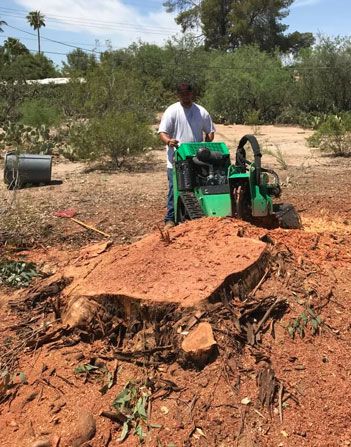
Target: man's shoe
[{"x": 169, "y": 224}]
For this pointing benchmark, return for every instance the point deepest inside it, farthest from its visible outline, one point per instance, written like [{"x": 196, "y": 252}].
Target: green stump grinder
[{"x": 207, "y": 184}]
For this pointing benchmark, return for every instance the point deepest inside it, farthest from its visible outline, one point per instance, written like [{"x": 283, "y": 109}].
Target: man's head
[{"x": 185, "y": 94}]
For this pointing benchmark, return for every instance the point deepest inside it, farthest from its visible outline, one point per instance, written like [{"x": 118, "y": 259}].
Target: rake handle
[{"x": 83, "y": 224}]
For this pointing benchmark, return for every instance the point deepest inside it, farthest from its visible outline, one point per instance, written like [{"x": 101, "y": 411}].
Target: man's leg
[{"x": 170, "y": 199}]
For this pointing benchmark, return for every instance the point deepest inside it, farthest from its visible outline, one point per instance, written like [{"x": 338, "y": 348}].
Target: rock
[
  {"x": 84, "y": 430},
  {"x": 13, "y": 424},
  {"x": 199, "y": 346},
  {"x": 41, "y": 443}
]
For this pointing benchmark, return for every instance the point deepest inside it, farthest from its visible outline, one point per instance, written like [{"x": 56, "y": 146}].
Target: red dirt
[
  {"x": 313, "y": 267},
  {"x": 188, "y": 269},
  {"x": 315, "y": 370}
]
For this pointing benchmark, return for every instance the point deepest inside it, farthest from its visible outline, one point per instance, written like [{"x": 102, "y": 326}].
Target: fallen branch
[
  {"x": 280, "y": 402},
  {"x": 267, "y": 314},
  {"x": 132, "y": 354},
  {"x": 114, "y": 416},
  {"x": 241, "y": 427},
  {"x": 165, "y": 237},
  {"x": 260, "y": 283},
  {"x": 47, "y": 338}
]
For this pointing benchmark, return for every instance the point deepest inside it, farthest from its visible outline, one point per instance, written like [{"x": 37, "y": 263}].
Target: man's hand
[
  {"x": 173, "y": 142},
  {"x": 165, "y": 138},
  {"x": 209, "y": 137}
]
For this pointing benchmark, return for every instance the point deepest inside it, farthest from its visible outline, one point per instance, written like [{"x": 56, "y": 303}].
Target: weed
[
  {"x": 132, "y": 403},
  {"x": 86, "y": 369},
  {"x": 308, "y": 318},
  {"x": 8, "y": 385},
  {"x": 333, "y": 135},
  {"x": 92, "y": 371},
  {"x": 278, "y": 154},
  {"x": 17, "y": 273}
]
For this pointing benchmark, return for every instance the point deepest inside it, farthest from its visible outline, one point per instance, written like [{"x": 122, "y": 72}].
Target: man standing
[{"x": 182, "y": 122}]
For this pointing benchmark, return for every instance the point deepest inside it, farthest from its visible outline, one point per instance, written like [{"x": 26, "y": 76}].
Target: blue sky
[{"x": 93, "y": 24}]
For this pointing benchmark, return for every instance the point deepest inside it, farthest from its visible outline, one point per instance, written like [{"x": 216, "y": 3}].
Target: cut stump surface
[{"x": 200, "y": 257}]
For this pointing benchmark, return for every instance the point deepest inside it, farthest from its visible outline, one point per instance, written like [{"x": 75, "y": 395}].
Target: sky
[{"x": 95, "y": 25}]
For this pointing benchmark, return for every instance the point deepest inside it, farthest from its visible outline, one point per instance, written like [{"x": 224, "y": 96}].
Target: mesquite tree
[{"x": 229, "y": 24}]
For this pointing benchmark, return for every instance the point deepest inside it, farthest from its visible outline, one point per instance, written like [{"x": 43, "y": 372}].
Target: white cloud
[
  {"x": 300, "y": 3},
  {"x": 106, "y": 19}
]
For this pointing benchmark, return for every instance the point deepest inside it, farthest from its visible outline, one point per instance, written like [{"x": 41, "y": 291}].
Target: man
[{"x": 182, "y": 122}]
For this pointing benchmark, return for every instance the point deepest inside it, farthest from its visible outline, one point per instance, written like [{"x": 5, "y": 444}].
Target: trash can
[{"x": 27, "y": 169}]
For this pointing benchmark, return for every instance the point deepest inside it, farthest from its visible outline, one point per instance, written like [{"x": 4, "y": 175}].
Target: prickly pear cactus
[{"x": 27, "y": 139}]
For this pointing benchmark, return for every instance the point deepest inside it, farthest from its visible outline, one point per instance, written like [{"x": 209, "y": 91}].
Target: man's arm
[
  {"x": 166, "y": 128},
  {"x": 208, "y": 126},
  {"x": 165, "y": 138}
]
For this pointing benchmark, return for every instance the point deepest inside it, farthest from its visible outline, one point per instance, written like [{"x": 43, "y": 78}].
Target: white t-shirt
[{"x": 185, "y": 125}]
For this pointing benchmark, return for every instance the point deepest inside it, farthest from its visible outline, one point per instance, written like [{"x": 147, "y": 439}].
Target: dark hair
[{"x": 184, "y": 87}]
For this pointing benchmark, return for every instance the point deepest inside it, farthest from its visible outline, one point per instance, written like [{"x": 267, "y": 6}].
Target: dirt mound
[
  {"x": 185, "y": 266},
  {"x": 280, "y": 372}
]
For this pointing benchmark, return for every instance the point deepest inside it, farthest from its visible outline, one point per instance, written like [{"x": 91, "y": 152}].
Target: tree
[
  {"x": 17, "y": 63},
  {"x": 229, "y": 24},
  {"x": 324, "y": 76},
  {"x": 12, "y": 48},
  {"x": 79, "y": 62},
  {"x": 247, "y": 83},
  {"x": 36, "y": 21}
]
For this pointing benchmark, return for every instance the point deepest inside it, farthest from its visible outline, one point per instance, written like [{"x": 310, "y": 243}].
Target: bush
[
  {"x": 12, "y": 94},
  {"x": 333, "y": 135},
  {"x": 39, "y": 112},
  {"x": 117, "y": 135},
  {"x": 294, "y": 116},
  {"x": 244, "y": 82},
  {"x": 17, "y": 273},
  {"x": 323, "y": 77},
  {"x": 252, "y": 117}
]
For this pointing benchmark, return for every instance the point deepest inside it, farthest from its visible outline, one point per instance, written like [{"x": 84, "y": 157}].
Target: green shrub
[
  {"x": 117, "y": 135},
  {"x": 333, "y": 135},
  {"x": 17, "y": 273},
  {"x": 39, "y": 112},
  {"x": 294, "y": 116},
  {"x": 245, "y": 81},
  {"x": 252, "y": 117},
  {"x": 323, "y": 77}
]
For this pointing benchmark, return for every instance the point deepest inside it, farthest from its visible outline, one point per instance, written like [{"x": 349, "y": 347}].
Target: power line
[
  {"x": 7, "y": 12},
  {"x": 32, "y": 38},
  {"x": 121, "y": 27},
  {"x": 52, "y": 40}
]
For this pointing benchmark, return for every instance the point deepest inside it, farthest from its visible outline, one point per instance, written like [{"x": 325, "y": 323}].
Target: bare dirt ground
[{"x": 267, "y": 386}]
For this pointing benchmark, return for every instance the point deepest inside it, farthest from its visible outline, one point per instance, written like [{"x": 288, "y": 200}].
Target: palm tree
[
  {"x": 12, "y": 48},
  {"x": 36, "y": 21},
  {"x": 2, "y": 22}
]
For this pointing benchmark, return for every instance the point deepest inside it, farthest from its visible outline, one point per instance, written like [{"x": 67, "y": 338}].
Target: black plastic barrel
[{"x": 24, "y": 169}]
